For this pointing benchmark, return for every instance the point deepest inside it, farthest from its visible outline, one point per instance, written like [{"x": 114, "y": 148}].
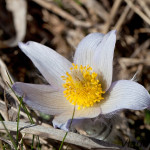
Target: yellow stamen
[{"x": 82, "y": 87}]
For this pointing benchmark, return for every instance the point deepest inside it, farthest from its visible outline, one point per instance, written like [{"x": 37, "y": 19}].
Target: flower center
[{"x": 82, "y": 88}]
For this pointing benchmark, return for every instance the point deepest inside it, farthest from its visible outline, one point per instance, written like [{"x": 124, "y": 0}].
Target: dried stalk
[
  {"x": 57, "y": 134},
  {"x": 113, "y": 13},
  {"x": 52, "y": 7},
  {"x": 138, "y": 11}
]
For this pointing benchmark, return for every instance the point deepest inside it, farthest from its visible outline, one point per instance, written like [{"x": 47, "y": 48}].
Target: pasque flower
[{"x": 86, "y": 84}]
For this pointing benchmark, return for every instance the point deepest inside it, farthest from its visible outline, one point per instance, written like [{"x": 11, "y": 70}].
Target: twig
[
  {"x": 122, "y": 18},
  {"x": 7, "y": 131},
  {"x": 77, "y": 7},
  {"x": 144, "y": 7},
  {"x": 96, "y": 7},
  {"x": 57, "y": 134},
  {"x": 6, "y": 106},
  {"x": 138, "y": 11},
  {"x": 52, "y": 7},
  {"x": 113, "y": 12},
  {"x": 133, "y": 61},
  {"x": 11, "y": 110},
  {"x": 140, "y": 48},
  {"x": 8, "y": 142},
  {"x": 5, "y": 78}
]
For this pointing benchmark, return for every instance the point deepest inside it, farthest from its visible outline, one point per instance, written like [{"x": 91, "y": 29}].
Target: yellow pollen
[{"x": 82, "y": 88}]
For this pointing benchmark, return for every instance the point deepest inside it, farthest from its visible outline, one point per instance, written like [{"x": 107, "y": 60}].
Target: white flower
[{"x": 88, "y": 84}]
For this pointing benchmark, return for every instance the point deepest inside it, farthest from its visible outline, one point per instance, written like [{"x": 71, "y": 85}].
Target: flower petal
[
  {"x": 99, "y": 127},
  {"x": 43, "y": 98},
  {"x": 125, "y": 94},
  {"x": 86, "y": 48},
  {"x": 90, "y": 112},
  {"x": 103, "y": 59},
  {"x": 50, "y": 63}
]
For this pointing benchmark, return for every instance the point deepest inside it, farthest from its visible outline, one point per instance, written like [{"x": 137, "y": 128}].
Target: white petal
[
  {"x": 90, "y": 112},
  {"x": 86, "y": 48},
  {"x": 50, "y": 63},
  {"x": 103, "y": 59},
  {"x": 99, "y": 127},
  {"x": 43, "y": 98},
  {"x": 125, "y": 94}
]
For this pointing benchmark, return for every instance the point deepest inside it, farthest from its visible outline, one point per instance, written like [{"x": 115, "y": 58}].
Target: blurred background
[{"x": 61, "y": 24}]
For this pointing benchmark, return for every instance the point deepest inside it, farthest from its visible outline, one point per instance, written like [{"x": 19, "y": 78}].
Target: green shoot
[
  {"x": 147, "y": 117},
  {"x": 18, "y": 119},
  {"x": 38, "y": 145},
  {"x": 9, "y": 78},
  {"x": 10, "y": 137},
  {"x": 23, "y": 106},
  {"x": 67, "y": 131},
  {"x": 59, "y": 2},
  {"x": 78, "y": 2},
  {"x": 32, "y": 142},
  {"x": 25, "y": 109}
]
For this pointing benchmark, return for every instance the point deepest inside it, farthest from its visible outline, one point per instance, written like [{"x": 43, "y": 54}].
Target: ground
[{"x": 61, "y": 24}]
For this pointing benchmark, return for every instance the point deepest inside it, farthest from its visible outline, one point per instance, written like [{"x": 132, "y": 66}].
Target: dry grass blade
[
  {"x": 8, "y": 142},
  {"x": 77, "y": 7},
  {"x": 113, "y": 12},
  {"x": 4, "y": 79},
  {"x": 122, "y": 18},
  {"x": 19, "y": 10},
  {"x": 3, "y": 72},
  {"x": 3, "y": 110},
  {"x": 144, "y": 6},
  {"x": 145, "y": 45},
  {"x": 138, "y": 11},
  {"x": 11, "y": 110},
  {"x": 57, "y": 134},
  {"x": 96, "y": 7},
  {"x": 6, "y": 107},
  {"x": 134, "y": 61},
  {"x": 52, "y": 7}
]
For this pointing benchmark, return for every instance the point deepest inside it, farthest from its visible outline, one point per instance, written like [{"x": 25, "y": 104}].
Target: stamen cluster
[{"x": 82, "y": 88}]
